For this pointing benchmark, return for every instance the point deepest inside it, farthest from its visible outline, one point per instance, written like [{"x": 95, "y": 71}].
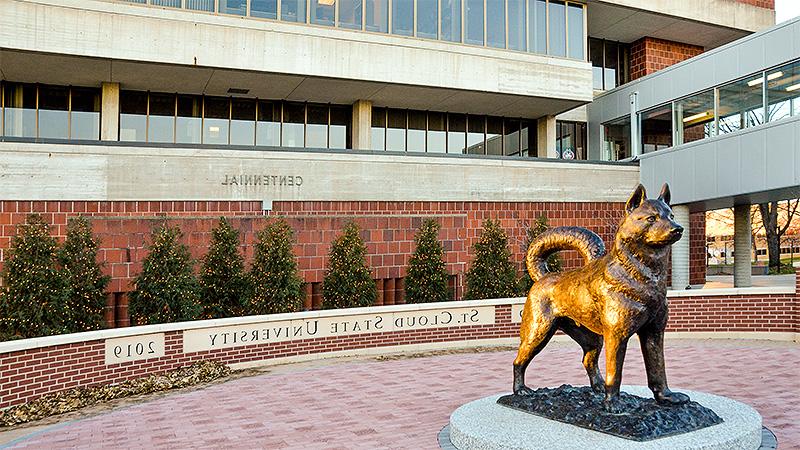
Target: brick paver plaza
[{"x": 403, "y": 403}]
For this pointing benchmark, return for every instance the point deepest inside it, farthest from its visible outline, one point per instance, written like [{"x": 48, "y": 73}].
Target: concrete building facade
[{"x": 323, "y": 111}]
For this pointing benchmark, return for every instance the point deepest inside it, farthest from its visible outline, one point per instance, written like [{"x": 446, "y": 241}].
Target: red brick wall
[
  {"x": 697, "y": 248},
  {"x": 769, "y": 4},
  {"x": 649, "y": 55},
  {"x": 29, "y": 374},
  {"x": 387, "y": 228}
]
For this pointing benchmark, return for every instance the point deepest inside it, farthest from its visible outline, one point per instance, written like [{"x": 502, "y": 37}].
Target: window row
[
  {"x": 611, "y": 63},
  {"x": 50, "y": 112},
  {"x": 552, "y": 27},
  {"x": 196, "y": 119},
  {"x": 402, "y": 130},
  {"x": 759, "y": 98}
]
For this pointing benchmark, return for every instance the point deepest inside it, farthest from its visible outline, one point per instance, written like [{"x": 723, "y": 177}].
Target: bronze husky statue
[{"x": 611, "y": 298}]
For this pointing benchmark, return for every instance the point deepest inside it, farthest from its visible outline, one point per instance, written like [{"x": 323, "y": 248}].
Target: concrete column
[
  {"x": 362, "y": 125},
  {"x": 109, "y": 113},
  {"x": 546, "y": 137},
  {"x": 680, "y": 250},
  {"x": 741, "y": 246}
]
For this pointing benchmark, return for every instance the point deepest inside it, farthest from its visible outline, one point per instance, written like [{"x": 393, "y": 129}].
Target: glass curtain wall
[
  {"x": 783, "y": 92},
  {"x": 656, "y": 126},
  {"x": 617, "y": 139},
  {"x": 49, "y": 112},
  {"x": 571, "y": 140},
  {"x": 741, "y": 105},
  {"x": 694, "y": 117},
  {"x": 194, "y": 119},
  {"x": 610, "y": 63}
]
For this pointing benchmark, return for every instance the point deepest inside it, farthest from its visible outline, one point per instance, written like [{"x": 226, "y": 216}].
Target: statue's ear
[
  {"x": 665, "y": 195},
  {"x": 637, "y": 198}
]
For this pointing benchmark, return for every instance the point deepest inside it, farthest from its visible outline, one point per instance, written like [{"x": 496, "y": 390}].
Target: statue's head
[{"x": 649, "y": 221}]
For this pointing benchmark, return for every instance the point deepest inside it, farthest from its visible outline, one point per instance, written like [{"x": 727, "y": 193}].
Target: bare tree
[{"x": 772, "y": 214}]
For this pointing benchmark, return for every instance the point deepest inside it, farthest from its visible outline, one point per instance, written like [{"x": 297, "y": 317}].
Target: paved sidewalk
[{"x": 404, "y": 403}]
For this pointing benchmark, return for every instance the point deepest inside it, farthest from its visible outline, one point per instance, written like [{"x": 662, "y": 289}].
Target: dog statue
[{"x": 611, "y": 298}]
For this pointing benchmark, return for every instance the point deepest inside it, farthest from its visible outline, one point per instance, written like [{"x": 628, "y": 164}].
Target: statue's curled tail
[{"x": 585, "y": 242}]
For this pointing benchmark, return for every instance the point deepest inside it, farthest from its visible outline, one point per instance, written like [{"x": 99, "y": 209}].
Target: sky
[{"x": 786, "y": 9}]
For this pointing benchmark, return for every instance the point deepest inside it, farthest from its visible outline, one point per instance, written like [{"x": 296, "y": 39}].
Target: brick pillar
[
  {"x": 109, "y": 315},
  {"x": 742, "y": 244},
  {"x": 316, "y": 296},
  {"x": 379, "y": 289},
  {"x": 400, "y": 291},
  {"x": 649, "y": 55},
  {"x": 123, "y": 320},
  {"x": 388, "y": 291},
  {"x": 680, "y": 249},
  {"x": 307, "y": 297}
]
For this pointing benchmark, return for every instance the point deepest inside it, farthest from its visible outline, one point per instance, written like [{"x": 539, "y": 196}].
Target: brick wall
[
  {"x": 649, "y": 55},
  {"x": 768, "y": 4},
  {"x": 31, "y": 373},
  {"x": 387, "y": 228}
]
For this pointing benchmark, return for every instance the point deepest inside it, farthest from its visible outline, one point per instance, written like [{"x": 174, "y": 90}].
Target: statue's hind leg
[
  {"x": 538, "y": 326},
  {"x": 592, "y": 344}
]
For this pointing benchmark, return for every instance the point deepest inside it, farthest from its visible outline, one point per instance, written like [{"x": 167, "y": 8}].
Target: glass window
[
  {"x": 474, "y": 22},
  {"x": 610, "y": 68},
  {"x": 167, "y": 3},
  {"x": 237, "y": 7},
  {"x": 377, "y": 19},
  {"x": 527, "y": 141},
  {"x": 293, "y": 10},
  {"x": 624, "y": 63},
  {"x": 427, "y": 18},
  {"x": 133, "y": 116},
  {"x": 617, "y": 136},
  {"x": 741, "y": 104},
  {"x": 378, "y": 129},
  {"x": 494, "y": 136},
  {"x": 511, "y": 137},
  {"x": 317, "y": 128},
  {"x": 161, "y": 120},
  {"x": 350, "y": 14},
  {"x": 516, "y": 25},
  {"x": 476, "y": 129},
  {"x": 537, "y": 26},
  {"x": 575, "y": 29},
  {"x": 54, "y": 112},
  {"x": 456, "y": 133},
  {"x": 200, "y": 5},
  {"x": 571, "y": 140},
  {"x": 20, "y": 110},
  {"x": 189, "y": 124},
  {"x": 268, "y": 126},
  {"x": 694, "y": 117},
  {"x": 597, "y": 58},
  {"x": 243, "y": 121},
  {"x": 294, "y": 117},
  {"x": 341, "y": 117},
  {"x": 451, "y": 20},
  {"x": 265, "y": 9},
  {"x": 496, "y": 23},
  {"x": 216, "y": 121},
  {"x": 656, "y": 128},
  {"x": 437, "y": 134},
  {"x": 558, "y": 28},
  {"x": 322, "y": 12},
  {"x": 85, "y": 115},
  {"x": 403, "y": 17},
  {"x": 396, "y": 130},
  {"x": 417, "y": 122},
  {"x": 783, "y": 91}
]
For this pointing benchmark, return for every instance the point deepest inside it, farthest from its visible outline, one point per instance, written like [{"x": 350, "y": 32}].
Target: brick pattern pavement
[{"x": 402, "y": 404}]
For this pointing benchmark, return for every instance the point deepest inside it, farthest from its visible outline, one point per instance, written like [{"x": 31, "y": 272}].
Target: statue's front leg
[{"x": 652, "y": 343}]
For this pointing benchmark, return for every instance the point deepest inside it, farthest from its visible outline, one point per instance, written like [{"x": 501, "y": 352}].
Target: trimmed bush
[
  {"x": 223, "y": 281},
  {"x": 427, "y": 274},
  {"x": 277, "y": 286},
  {"x": 167, "y": 289},
  {"x": 491, "y": 273},
  {"x": 553, "y": 262},
  {"x": 86, "y": 284},
  {"x": 34, "y": 301},
  {"x": 348, "y": 282}
]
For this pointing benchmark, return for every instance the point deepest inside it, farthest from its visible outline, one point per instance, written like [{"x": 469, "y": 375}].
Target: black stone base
[{"x": 642, "y": 419}]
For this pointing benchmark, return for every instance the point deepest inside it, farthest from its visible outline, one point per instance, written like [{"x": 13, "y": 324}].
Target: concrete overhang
[
  {"x": 85, "y": 42},
  {"x": 707, "y": 23}
]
